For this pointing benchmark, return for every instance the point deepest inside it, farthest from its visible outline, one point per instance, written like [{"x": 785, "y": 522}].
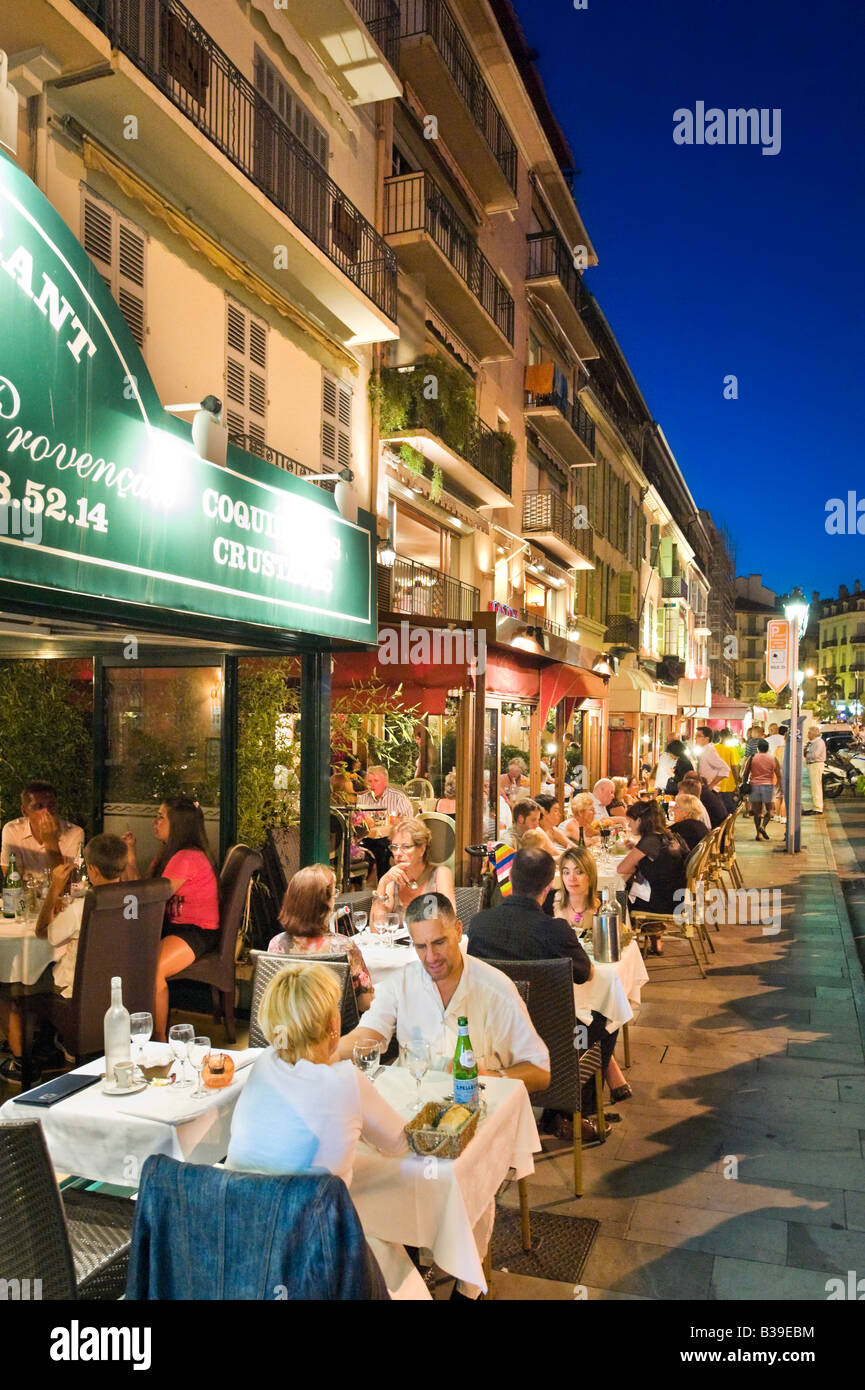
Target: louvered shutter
[
  {"x": 116, "y": 247},
  {"x": 245, "y": 374},
  {"x": 626, "y": 593},
  {"x": 335, "y": 423}
]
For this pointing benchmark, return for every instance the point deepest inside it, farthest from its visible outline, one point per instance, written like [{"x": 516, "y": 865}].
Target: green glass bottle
[{"x": 465, "y": 1068}]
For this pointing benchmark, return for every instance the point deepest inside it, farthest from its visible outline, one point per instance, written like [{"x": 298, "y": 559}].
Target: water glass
[
  {"x": 366, "y": 1057},
  {"x": 198, "y": 1052},
  {"x": 394, "y": 922},
  {"x": 418, "y": 1057},
  {"x": 140, "y": 1032},
  {"x": 360, "y": 921},
  {"x": 179, "y": 1039}
]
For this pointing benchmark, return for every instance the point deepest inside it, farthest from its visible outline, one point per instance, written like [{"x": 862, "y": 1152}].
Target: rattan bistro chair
[
  {"x": 443, "y": 832},
  {"x": 726, "y": 861},
  {"x": 73, "y": 1245},
  {"x": 682, "y": 925},
  {"x": 421, "y": 793},
  {"x": 468, "y": 903},
  {"x": 266, "y": 964},
  {"x": 547, "y": 988}
]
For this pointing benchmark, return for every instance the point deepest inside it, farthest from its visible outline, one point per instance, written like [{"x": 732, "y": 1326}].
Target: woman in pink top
[
  {"x": 192, "y": 916},
  {"x": 763, "y": 773}
]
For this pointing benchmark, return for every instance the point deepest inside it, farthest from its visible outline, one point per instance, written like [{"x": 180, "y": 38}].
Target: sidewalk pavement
[{"x": 737, "y": 1171}]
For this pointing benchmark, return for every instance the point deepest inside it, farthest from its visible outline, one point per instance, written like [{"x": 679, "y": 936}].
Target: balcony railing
[
  {"x": 623, "y": 631},
  {"x": 548, "y": 512},
  {"x": 575, "y": 414},
  {"x": 485, "y": 449},
  {"x": 545, "y": 624},
  {"x": 434, "y": 18},
  {"x": 830, "y": 642},
  {"x": 280, "y": 460},
  {"x": 676, "y": 586},
  {"x": 381, "y": 18},
  {"x": 178, "y": 56},
  {"x": 415, "y": 203},
  {"x": 627, "y": 427},
  {"x": 421, "y": 592},
  {"x": 548, "y": 255}
]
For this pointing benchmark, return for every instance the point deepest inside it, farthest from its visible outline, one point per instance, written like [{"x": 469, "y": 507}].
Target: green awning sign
[{"x": 102, "y": 493}]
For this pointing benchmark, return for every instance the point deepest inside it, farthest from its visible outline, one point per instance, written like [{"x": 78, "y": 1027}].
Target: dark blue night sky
[{"x": 719, "y": 259}]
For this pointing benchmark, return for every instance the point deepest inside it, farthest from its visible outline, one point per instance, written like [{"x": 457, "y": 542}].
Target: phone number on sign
[{"x": 52, "y": 504}]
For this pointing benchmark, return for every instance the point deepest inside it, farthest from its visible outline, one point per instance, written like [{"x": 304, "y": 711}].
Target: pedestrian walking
[{"x": 764, "y": 774}]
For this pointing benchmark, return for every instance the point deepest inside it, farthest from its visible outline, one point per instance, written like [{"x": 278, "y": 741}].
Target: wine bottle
[
  {"x": 582, "y": 836},
  {"x": 13, "y": 889},
  {"x": 118, "y": 1036},
  {"x": 465, "y": 1069}
]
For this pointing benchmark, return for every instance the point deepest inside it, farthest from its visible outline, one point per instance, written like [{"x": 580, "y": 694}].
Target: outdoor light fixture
[
  {"x": 386, "y": 553},
  {"x": 796, "y": 609},
  {"x": 573, "y": 634}
]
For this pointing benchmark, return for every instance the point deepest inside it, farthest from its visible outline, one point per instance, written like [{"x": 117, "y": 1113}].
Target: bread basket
[{"x": 424, "y": 1139}]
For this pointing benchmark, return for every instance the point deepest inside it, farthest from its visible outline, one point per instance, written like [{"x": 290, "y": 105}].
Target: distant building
[
  {"x": 840, "y": 657},
  {"x": 721, "y": 607},
  {"x": 755, "y": 605}
]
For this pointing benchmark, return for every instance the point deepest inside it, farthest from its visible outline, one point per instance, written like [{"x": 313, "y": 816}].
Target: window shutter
[
  {"x": 245, "y": 373},
  {"x": 117, "y": 249},
  {"x": 626, "y": 593},
  {"x": 335, "y": 423}
]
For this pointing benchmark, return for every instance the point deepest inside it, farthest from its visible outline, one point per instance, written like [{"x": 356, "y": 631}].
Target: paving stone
[
  {"x": 830, "y": 1170},
  {"x": 851, "y": 1089},
  {"x": 755, "y": 1282},
  {"x": 506, "y": 1288},
  {"x": 854, "y": 1205},
  {"x": 650, "y": 1270},
  {"x": 697, "y": 1228},
  {"x": 809, "y": 1205},
  {"x": 822, "y": 1248}
]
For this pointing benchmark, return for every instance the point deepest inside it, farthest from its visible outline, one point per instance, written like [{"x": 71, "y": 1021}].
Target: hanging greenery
[{"x": 435, "y": 491}]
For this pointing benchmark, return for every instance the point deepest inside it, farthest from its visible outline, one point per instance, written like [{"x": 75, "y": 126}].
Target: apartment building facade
[
  {"x": 755, "y": 605},
  {"x": 841, "y": 649}
]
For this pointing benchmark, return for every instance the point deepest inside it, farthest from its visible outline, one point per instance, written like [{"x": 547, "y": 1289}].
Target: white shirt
[
  {"x": 394, "y": 801},
  {"x": 775, "y": 741},
  {"x": 30, "y": 856},
  {"x": 712, "y": 765},
  {"x": 665, "y": 769},
  {"x": 63, "y": 932},
  {"x": 307, "y": 1117},
  {"x": 408, "y": 1002}
]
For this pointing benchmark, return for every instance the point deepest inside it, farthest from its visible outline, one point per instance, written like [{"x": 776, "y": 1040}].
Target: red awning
[
  {"x": 424, "y": 685},
  {"x": 512, "y": 674},
  {"x": 559, "y": 681}
]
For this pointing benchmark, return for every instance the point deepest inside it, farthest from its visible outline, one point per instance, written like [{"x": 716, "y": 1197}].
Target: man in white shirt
[
  {"x": 427, "y": 997},
  {"x": 815, "y": 762},
  {"x": 39, "y": 838},
  {"x": 712, "y": 765},
  {"x": 390, "y": 805},
  {"x": 775, "y": 740},
  {"x": 603, "y": 792}
]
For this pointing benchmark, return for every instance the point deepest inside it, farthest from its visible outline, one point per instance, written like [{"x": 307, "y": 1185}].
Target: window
[
  {"x": 116, "y": 247},
  {"x": 245, "y": 373},
  {"x": 335, "y": 423},
  {"x": 626, "y": 594}
]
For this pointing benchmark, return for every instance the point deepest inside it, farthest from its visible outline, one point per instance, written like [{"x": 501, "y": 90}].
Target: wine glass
[
  {"x": 366, "y": 1056},
  {"x": 140, "y": 1031},
  {"x": 419, "y": 1059},
  {"x": 360, "y": 921},
  {"x": 394, "y": 922},
  {"x": 198, "y": 1051},
  {"x": 179, "y": 1038}
]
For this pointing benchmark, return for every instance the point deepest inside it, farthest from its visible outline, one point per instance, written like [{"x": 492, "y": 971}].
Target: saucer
[{"x": 110, "y": 1088}]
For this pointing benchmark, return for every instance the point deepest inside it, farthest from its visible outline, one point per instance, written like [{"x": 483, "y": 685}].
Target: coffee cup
[{"x": 123, "y": 1073}]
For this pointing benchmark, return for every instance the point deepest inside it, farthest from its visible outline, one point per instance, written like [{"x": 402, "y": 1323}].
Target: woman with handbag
[{"x": 761, "y": 773}]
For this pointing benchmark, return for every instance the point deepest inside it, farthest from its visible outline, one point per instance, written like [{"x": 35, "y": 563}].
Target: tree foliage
[{"x": 45, "y": 734}]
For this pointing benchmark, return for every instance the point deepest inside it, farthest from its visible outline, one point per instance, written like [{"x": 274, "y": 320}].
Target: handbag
[{"x": 743, "y": 791}]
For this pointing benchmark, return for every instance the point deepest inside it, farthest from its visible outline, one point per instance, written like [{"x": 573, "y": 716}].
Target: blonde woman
[
  {"x": 301, "y": 1108},
  {"x": 688, "y": 819},
  {"x": 412, "y": 873},
  {"x": 582, "y": 818},
  {"x": 621, "y": 796}
]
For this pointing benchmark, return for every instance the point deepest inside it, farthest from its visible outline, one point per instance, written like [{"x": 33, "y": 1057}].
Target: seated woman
[
  {"x": 577, "y": 901},
  {"x": 305, "y": 916},
  {"x": 192, "y": 916},
  {"x": 447, "y": 804},
  {"x": 659, "y": 856},
  {"x": 582, "y": 818},
  {"x": 688, "y": 819},
  {"x": 302, "y": 1110},
  {"x": 622, "y": 797},
  {"x": 412, "y": 874}
]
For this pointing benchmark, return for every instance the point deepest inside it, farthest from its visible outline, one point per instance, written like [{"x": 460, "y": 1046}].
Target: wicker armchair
[
  {"x": 75, "y": 1244},
  {"x": 421, "y": 793},
  {"x": 469, "y": 902},
  {"x": 725, "y": 858},
  {"x": 547, "y": 988},
  {"x": 679, "y": 924},
  {"x": 267, "y": 964}
]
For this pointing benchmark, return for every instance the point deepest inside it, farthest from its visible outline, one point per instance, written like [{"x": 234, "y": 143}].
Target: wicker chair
[
  {"x": 676, "y": 924},
  {"x": 421, "y": 793},
  {"x": 443, "y": 832},
  {"x": 217, "y": 968},
  {"x": 726, "y": 852},
  {"x": 75, "y": 1244},
  {"x": 547, "y": 988},
  {"x": 468, "y": 903},
  {"x": 267, "y": 964}
]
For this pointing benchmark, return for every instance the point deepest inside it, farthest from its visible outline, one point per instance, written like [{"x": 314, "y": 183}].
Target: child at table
[{"x": 105, "y": 857}]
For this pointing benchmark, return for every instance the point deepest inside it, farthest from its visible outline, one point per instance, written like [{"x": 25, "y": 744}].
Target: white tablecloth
[
  {"x": 23, "y": 956},
  {"x": 107, "y": 1138},
  {"x": 613, "y": 989},
  {"x": 382, "y": 960},
  {"x": 436, "y": 1203}
]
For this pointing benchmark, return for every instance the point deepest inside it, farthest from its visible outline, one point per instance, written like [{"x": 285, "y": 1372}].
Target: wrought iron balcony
[
  {"x": 168, "y": 44},
  {"x": 829, "y": 642},
  {"x": 417, "y": 209},
  {"x": 550, "y": 411},
  {"x": 548, "y": 517},
  {"x": 415, "y": 589},
  {"x": 675, "y": 586},
  {"x": 623, "y": 631},
  {"x": 545, "y": 624},
  {"x": 381, "y": 18},
  {"x": 433, "y": 20},
  {"x": 255, "y": 446},
  {"x": 551, "y": 273},
  {"x": 449, "y": 443}
]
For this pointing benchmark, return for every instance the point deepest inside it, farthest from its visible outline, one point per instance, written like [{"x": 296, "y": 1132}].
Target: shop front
[
  {"x": 642, "y": 718},
  {"x": 143, "y": 571}
]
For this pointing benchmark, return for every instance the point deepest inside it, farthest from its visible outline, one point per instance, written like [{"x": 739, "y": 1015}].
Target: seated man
[
  {"x": 426, "y": 999},
  {"x": 604, "y": 798},
  {"x": 519, "y": 929},
  {"x": 391, "y": 805},
  {"x": 105, "y": 857},
  {"x": 39, "y": 838},
  {"x": 526, "y": 816}
]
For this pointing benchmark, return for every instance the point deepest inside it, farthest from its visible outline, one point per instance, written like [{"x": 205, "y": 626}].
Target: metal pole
[
  {"x": 794, "y": 787},
  {"x": 314, "y": 758},
  {"x": 228, "y": 755}
]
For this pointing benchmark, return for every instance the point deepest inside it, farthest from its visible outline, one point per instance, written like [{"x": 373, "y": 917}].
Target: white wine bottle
[
  {"x": 13, "y": 889},
  {"x": 118, "y": 1036}
]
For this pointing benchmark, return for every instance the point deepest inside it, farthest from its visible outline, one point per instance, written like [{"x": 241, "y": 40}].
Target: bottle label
[
  {"x": 467, "y": 1059},
  {"x": 466, "y": 1090}
]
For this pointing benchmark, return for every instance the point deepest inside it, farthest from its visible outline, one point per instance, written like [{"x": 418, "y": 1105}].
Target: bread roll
[{"x": 454, "y": 1118}]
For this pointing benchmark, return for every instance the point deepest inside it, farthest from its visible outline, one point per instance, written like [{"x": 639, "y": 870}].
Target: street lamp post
[{"x": 796, "y": 613}]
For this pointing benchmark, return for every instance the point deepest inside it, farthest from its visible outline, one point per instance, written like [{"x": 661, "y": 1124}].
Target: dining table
[
  {"x": 23, "y": 955},
  {"x": 107, "y": 1137},
  {"x": 446, "y": 1206}
]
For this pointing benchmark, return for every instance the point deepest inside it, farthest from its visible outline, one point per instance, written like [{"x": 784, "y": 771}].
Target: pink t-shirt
[
  {"x": 197, "y": 902},
  {"x": 762, "y": 770}
]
